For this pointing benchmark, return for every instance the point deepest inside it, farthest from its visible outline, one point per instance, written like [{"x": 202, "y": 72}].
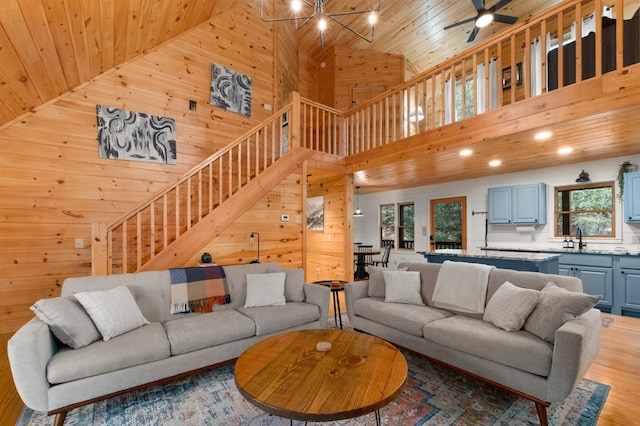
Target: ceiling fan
[{"x": 485, "y": 17}]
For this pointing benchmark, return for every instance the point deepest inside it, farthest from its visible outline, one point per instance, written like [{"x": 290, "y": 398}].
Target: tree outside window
[
  {"x": 406, "y": 229},
  {"x": 387, "y": 224},
  {"x": 589, "y": 207}
]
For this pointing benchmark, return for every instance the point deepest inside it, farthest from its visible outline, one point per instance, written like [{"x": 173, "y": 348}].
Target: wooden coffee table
[{"x": 285, "y": 375}]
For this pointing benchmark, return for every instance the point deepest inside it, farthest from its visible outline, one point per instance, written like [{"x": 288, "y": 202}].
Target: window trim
[{"x": 593, "y": 185}]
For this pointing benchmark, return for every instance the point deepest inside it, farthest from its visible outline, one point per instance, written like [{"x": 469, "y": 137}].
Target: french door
[{"x": 448, "y": 223}]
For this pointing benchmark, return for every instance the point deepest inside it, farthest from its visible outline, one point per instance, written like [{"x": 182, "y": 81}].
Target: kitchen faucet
[{"x": 581, "y": 245}]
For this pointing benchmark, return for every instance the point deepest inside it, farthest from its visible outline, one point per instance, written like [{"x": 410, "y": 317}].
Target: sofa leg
[
  {"x": 541, "y": 407},
  {"x": 59, "y": 419}
]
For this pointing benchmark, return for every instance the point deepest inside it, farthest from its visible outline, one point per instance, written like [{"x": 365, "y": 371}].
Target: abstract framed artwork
[
  {"x": 230, "y": 90},
  {"x": 135, "y": 136},
  {"x": 315, "y": 213}
]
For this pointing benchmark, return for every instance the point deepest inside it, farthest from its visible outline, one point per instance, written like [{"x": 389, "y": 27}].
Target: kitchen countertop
[
  {"x": 562, "y": 251},
  {"x": 497, "y": 254}
]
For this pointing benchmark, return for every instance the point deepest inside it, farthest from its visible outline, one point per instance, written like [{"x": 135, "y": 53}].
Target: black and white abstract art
[
  {"x": 129, "y": 135},
  {"x": 230, "y": 90},
  {"x": 315, "y": 213}
]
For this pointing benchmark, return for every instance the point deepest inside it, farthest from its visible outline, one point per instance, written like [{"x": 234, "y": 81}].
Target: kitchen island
[{"x": 547, "y": 263}]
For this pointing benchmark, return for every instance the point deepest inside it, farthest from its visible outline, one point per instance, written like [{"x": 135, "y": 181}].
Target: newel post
[
  {"x": 294, "y": 121},
  {"x": 99, "y": 249}
]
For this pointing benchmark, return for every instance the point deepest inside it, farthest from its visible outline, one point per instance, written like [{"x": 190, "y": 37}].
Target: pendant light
[{"x": 357, "y": 213}]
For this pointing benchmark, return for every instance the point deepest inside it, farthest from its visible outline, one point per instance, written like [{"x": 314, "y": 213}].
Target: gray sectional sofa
[
  {"x": 534, "y": 359},
  {"x": 52, "y": 377}
]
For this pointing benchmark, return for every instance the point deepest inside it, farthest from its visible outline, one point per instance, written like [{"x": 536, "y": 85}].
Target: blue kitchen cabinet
[
  {"x": 518, "y": 205},
  {"x": 632, "y": 197},
  {"x": 628, "y": 286},
  {"x": 596, "y": 273}
]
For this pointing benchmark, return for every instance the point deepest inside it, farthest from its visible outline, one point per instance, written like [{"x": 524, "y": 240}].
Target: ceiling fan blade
[
  {"x": 479, "y": 4},
  {"x": 505, "y": 19},
  {"x": 499, "y": 5},
  {"x": 460, "y": 23},
  {"x": 473, "y": 34}
]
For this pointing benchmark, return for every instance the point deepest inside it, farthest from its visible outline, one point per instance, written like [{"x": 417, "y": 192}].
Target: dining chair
[{"x": 384, "y": 260}]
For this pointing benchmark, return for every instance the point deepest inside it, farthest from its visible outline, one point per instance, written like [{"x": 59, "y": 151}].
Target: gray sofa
[
  {"x": 520, "y": 361},
  {"x": 54, "y": 378}
]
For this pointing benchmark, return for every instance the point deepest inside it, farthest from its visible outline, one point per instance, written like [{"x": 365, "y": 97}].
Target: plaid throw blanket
[{"x": 198, "y": 289}]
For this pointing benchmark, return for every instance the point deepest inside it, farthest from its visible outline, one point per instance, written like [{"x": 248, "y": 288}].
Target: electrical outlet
[
  {"x": 79, "y": 243},
  {"x": 318, "y": 271},
  {"x": 635, "y": 239},
  {"x": 284, "y": 218}
]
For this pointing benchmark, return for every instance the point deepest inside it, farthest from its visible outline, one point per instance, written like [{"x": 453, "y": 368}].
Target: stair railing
[
  {"x": 127, "y": 244},
  {"x": 505, "y": 70}
]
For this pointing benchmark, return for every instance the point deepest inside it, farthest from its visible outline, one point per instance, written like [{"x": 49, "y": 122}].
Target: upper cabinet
[
  {"x": 518, "y": 205},
  {"x": 632, "y": 197}
]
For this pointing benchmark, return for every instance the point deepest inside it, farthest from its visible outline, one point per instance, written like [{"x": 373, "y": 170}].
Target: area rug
[{"x": 433, "y": 395}]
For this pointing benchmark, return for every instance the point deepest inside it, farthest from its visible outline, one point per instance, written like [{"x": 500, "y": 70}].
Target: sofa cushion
[
  {"x": 294, "y": 285},
  {"x": 67, "y": 320},
  {"x": 114, "y": 311},
  {"x": 126, "y": 350},
  {"x": 428, "y": 277},
  {"x": 556, "y": 306},
  {"x": 402, "y": 287},
  {"x": 510, "y": 306},
  {"x": 517, "y": 349},
  {"x": 376, "y": 286},
  {"x": 237, "y": 281},
  {"x": 206, "y": 330},
  {"x": 408, "y": 318},
  {"x": 265, "y": 289},
  {"x": 271, "y": 319}
]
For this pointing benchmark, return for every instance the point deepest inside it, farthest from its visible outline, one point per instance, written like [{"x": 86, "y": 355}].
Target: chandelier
[{"x": 303, "y": 11}]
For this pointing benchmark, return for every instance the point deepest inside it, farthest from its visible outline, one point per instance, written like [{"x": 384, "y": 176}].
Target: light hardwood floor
[{"x": 618, "y": 364}]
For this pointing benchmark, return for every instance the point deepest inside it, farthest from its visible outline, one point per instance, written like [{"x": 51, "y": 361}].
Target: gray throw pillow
[
  {"x": 294, "y": 285},
  {"x": 402, "y": 287},
  {"x": 67, "y": 320},
  {"x": 556, "y": 306},
  {"x": 510, "y": 306}
]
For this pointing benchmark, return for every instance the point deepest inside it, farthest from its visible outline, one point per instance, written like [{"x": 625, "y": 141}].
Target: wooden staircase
[{"x": 176, "y": 223}]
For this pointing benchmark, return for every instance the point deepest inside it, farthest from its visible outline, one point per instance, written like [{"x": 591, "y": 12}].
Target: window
[
  {"x": 387, "y": 225},
  {"x": 405, "y": 228},
  {"x": 589, "y": 207},
  {"x": 399, "y": 233}
]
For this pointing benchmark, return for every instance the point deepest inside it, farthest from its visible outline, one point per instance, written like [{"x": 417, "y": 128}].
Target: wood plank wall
[
  {"x": 347, "y": 69},
  {"x": 53, "y": 185},
  {"x": 326, "y": 249}
]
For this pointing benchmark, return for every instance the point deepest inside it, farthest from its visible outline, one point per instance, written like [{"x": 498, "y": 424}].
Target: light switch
[{"x": 79, "y": 243}]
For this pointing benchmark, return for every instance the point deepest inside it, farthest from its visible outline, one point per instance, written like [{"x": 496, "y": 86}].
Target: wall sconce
[
  {"x": 255, "y": 234},
  {"x": 583, "y": 177}
]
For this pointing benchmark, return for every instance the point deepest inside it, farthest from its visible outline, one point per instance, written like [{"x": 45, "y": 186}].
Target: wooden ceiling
[{"x": 48, "y": 47}]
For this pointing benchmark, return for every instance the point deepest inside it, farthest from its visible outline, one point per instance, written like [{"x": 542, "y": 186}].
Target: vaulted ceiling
[{"x": 48, "y": 47}]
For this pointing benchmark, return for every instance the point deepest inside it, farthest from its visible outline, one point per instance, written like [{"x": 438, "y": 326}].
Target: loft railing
[
  {"x": 140, "y": 235},
  {"x": 524, "y": 62}
]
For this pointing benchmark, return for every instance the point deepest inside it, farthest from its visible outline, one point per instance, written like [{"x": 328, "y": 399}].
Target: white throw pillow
[
  {"x": 510, "y": 306},
  {"x": 114, "y": 312},
  {"x": 265, "y": 289},
  {"x": 402, "y": 287}
]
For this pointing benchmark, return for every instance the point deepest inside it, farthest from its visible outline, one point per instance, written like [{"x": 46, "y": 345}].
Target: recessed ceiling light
[
  {"x": 495, "y": 163},
  {"x": 565, "y": 150},
  {"x": 540, "y": 136},
  {"x": 466, "y": 152}
]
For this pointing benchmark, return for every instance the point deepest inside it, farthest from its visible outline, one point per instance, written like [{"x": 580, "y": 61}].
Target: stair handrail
[
  {"x": 422, "y": 103},
  {"x": 144, "y": 231}
]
